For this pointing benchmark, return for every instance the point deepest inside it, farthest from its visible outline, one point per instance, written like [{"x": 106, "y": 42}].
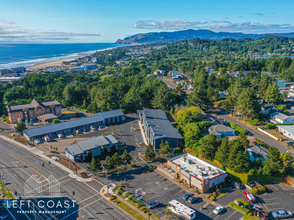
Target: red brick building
[{"x": 31, "y": 111}]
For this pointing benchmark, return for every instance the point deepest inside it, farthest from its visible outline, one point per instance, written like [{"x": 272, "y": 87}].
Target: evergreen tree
[
  {"x": 274, "y": 163},
  {"x": 149, "y": 152},
  {"x": 209, "y": 146},
  {"x": 164, "y": 147},
  {"x": 116, "y": 160},
  {"x": 126, "y": 158},
  {"x": 163, "y": 98},
  {"x": 222, "y": 153},
  {"x": 243, "y": 140},
  {"x": 199, "y": 98},
  {"x": 108, "y": 164},
  {"x": 95, "y": 165},
  {"x": 20, "y": 127}
]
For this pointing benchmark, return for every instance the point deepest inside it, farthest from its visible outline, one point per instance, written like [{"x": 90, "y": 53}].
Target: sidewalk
[
  {"x": 143, "y": 135},
  {"x": 40, "y": 154},
  {"x": 188, "y": 190},
  {"x": 103, "y": 192}
]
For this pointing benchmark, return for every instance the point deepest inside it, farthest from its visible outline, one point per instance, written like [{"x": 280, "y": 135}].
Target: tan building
[
  {"x": 31, "y": 111},
  {"x": 196, "y": 172}
]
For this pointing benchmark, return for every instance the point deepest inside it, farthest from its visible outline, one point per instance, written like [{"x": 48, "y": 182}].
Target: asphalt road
[
  {"x": 18, "y": 165},
  {"x": 264, "y": 138},
  {"x": 168, "y": 83},
  {"x": 6, "y": 129}
]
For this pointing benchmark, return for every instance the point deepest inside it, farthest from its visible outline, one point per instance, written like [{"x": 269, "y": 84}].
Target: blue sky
[{"x": 106, "y": 21}]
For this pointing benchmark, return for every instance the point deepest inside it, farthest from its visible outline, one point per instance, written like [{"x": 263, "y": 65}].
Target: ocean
[{"x": 15, "y": 55}]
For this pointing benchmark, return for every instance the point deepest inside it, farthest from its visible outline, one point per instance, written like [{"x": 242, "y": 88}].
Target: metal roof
[
  {"x": 62, "y": 126},
  {"x": 89, "y": 144},
  {"x": 162, "y": 128},
  {"x": 113, "y": 113},
  {"x": 154, "y": 113}
]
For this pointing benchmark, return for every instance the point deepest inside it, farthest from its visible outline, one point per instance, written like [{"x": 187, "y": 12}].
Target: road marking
[
  {"x": 88, "y": 198},
  {"x": 91, "y": 187},
  {"x": 231, "y": 215},
  {"x": 89, "y": 213},
  {"x": 99, "y": 182},
  {"x": 272, "y": 203},
  {"x": 275, "y": 187},
  {"x": 280, "y": 185},
  {"x": 30, "y": 167},
  {"x": 217, "y": 217},
  {"x": 276, "y": 209},
  {"x": 210, "y": 213}
]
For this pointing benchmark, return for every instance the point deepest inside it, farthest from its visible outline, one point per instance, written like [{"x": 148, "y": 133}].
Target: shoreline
[{"x": 57, "y": 61}]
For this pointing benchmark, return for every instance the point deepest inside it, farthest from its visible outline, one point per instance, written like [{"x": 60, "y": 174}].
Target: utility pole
[
  {"x": 106, "y": 183},
  {"x": 3, "y": 185}
]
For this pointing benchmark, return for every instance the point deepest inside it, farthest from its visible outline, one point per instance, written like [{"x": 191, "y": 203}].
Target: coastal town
[{"x": 150, "y": 132}]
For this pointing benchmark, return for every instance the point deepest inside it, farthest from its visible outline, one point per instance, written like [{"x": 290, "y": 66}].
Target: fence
[{"x": 268, "y": 134}]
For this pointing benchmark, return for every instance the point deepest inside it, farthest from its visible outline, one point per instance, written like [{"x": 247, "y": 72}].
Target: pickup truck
[{"x": 282, "y": 214}]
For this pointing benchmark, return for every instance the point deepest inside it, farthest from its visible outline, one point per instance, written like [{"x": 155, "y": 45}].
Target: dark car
[
  {"x": 187, "y": 196},
  {"x": 263, "y": 215},
  {"x": 193, "y": 199},
  {"x": 238, "y": 185},
  {"x": 249, "y": 133},
  {"x": 153, "y": 204},
  {"x": 290, "y": 143}
]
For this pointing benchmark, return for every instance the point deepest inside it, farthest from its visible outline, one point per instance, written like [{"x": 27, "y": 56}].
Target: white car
[
  {"x": 37, "y": 141},
  {"x": 60, "y": 135},
  {"x": 218, "y": 210}
]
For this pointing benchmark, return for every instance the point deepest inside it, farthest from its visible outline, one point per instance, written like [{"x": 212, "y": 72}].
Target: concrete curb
[{"x": 41, "y": 154}]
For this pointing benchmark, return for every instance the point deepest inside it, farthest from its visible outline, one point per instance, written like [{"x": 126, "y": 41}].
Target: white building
[
  {"x": 287, "y": 130},
  {"x": 282, "y": 119}
]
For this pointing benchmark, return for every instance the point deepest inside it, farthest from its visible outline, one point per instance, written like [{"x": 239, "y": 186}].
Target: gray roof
[
  {"x": 162, "y": 128},
  {"x": 288, "y": 128},
  {"x": 62, "y": 126},
  {"x": 257, "y": 151},
  {"x": 32, "y": 105},
  {"x": 89, "y": 144},
  {"x": 220, "y": 128},
  {"x": 113, "y": 113},
  {"x": 154, "y": 113},
  {"x": 47, "y": 116},
  {"x": 282, "y": 116}
]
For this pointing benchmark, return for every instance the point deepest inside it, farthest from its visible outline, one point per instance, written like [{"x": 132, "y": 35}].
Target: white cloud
[
  {"x": 15, "y": 33},
  {"x": 5, "y": 21},
  {"x": 220, "y": 25}
]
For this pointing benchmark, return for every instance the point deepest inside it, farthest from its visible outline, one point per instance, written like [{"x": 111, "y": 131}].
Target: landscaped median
[
  {"x": 244, "y": 209},
  {"x": 7, "y": 192}
]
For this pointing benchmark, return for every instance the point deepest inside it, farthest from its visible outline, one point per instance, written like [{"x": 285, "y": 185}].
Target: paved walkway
[
  {"x": 41, "y": 154},
  {"x": 142, "y": 131},
  {"x": 188, "y": 190}
]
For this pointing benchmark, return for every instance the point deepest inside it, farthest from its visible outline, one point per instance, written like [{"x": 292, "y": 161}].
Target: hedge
[
  {"x": 270, "y": 126},
  {"x": 237, "y": 128},
  {"x": 254, "y": 191},
  {"x": 259, "y": 142},
  {"x": 246, "y": 204},
  {"x": 238, "y": 208}
]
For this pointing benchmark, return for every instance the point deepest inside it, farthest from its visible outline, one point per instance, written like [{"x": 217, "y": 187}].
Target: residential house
[
  {"x": 287, "y": 130},
  {"x": 78, "y": 69},
  {"x": 31, "y": 111},
  {"x": 256, "y": 152},
  {"x": 174, "y": 74},
  {"x": 125, "y": 62},
  {"x": 159, "y": 73},
  {"x": 221, "y": 131},
  {"x": 281, "y": 83},
  {"x": 223, "y": 94},
  {"x": 266, "y": 108},
  {"x": 281, "y": 118},
  {"x": 191, "y": 87}
]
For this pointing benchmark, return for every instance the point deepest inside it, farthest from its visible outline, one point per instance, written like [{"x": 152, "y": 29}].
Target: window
[
  {"x": 32, "y": 115},
  {"x": 31, "y": 111},
  {"x": 13, "y": 117},
  {"x": 57, "y": 110},
  {"x": 42, "y": 110},
  {"x": 37, "y": 111},
  {"x": 12, "y": 113}
]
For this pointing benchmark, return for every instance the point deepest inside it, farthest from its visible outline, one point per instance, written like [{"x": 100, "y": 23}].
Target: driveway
[{"x": 168, "y": 83}]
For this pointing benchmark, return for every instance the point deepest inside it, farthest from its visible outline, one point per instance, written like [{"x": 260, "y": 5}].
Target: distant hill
[{"x": 158, "y": 37}]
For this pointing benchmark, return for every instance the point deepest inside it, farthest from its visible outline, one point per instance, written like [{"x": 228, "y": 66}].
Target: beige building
[{"x": 196, "y": 172}]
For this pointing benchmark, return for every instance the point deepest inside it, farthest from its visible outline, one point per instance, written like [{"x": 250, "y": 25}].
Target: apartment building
[{"x": 31, "y": 111}]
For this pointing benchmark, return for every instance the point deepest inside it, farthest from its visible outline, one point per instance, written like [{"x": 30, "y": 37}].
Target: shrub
[
  {"x": 261, "y": 189},
  {"x": 177, "y": 151},
  {"x": 270, "y": 126},
  {"x": 126, "y": 194},
  {"x": 118, "y": 192},
  {"x": 112, "y": 197},
  {"x": 131, "y": 196},
  {"x": 207, "y": 196},
  {"x": 245, "y": 204},
  {"x": 254, "y": 191},
  {"x": 180, "y": 181},
  {"x": 196, "y": 191},
  {"x": 119, "y": 186},
  {"x": 253, "y": 121},
  {"x": 115, "y": 188},
  {"x": 238, "y": 208},
  {"x": 251, "y": 172},
  {"x": 212, "y": 198},
  {"x": 142, "y": 207},
  {"x": 214, "y": 194},
  {"x": 259, "y": 142}
]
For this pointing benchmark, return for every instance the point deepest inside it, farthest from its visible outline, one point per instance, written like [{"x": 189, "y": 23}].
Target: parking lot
[{"x": 163, "y": 190}]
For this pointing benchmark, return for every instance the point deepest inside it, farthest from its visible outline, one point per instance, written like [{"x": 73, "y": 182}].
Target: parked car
[
  {"x": 218, "y": 210},
  {"x": 37, "y": 141},
  {"x": 249, "y": 133},
  {"x": 194, "y": 199},
  {"x": 263, "y": 215},
  {"x": 187, "y": 196},
  {"x": 77, "y": 131},
  {"x": 249, "y": 196},
  {"x": 153, "y": 204},
  {"x": 60, "y": 135},
  {"x": 47, "y": 138},
  {"x": 93, "y": 128},
  {"x": 238, "y": 185},
  {"x": 290, "y": 143},
  {"x": 282, "y": 214},
  {"x": 256, "y": 207}
]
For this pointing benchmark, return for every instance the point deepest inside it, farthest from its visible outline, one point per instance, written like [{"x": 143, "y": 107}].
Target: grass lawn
[
  {"x": 105, "y": 76},
  {"x": 8, "y": 194},
  {"x": 246, "y": 217},
  {"x": 130, "y": 210},
  {"x": 273, "y": 132},
  {"x": 221, "y": 195}
]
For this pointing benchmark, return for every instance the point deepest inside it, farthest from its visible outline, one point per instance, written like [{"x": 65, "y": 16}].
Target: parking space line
[
  {"x": 275, "y": 187},
  {"x": 280, "y": 185},
  {"x": 231, "y": 215},
  {"x": 272, "y": 203}
]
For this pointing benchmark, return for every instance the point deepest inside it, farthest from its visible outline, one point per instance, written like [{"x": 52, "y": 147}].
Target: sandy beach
[{"x": 56, "y": 63}]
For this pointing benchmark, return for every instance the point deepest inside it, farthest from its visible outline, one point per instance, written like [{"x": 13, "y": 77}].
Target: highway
[
  {"x": 257, "y": 134},
  {"x": 18, "y": 165}
]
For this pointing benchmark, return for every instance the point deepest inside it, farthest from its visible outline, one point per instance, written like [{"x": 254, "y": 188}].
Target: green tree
[
  {"x": 126, "y": 158},
  {"x": 149, "y": 152},
  {"x": 164, "y": 147},
  {"x": 223, "y": 153},
  {"x": 116, "y": 160},
  {"x": 243, "y": 139},
  {"x": 192, "y": 134},
  {"x": 199, "y": 98},
  {"x": 55, "y": 121},
  {"x": 163, "y": 98},
  {"x": 95, "y": 165},
  {"x": 20, "y": 127},
  {"x": 209, "y": 146},
  {"x": 108, "y": 164},
  {"x": 273, "y": 164}
]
